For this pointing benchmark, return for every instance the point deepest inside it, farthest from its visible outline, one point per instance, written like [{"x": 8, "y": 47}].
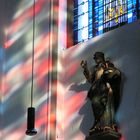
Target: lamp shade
[{"x": 31, "y": 122}]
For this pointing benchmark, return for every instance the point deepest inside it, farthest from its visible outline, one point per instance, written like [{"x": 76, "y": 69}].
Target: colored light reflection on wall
[
  {"x": 76, "y": 116},
  {"x": 16, "y": 74},
  {"x": 69, "y": 100}
]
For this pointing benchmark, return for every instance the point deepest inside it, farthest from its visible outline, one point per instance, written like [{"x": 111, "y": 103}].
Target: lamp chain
[{"x": 33, "y": 44}]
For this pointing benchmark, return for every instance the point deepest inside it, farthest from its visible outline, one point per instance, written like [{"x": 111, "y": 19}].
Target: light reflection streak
[
  {"x": 41, "y": 120},
  {"x": 24, "y": 5},
  {"x": 21, "y": 24},
  {"x": 25, "y": 67},
  {"x": 25, "y": 16},
  {"x": 69, "y": 121}
]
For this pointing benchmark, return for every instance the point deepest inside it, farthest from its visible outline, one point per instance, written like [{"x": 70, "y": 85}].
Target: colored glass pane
[{"x": 94, "y": 17}]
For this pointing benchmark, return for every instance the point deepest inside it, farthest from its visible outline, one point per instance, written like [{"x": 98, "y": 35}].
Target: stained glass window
[
  {"x": 82, "y": 20},
  {"x": 94, "y": 17},
  {"x": 115, "y": 13}
]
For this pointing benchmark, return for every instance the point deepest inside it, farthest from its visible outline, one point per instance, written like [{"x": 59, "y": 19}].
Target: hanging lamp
[{"x": 31, "y": 110}]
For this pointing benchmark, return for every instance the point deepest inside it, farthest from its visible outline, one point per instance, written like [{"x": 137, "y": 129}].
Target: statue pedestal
[{"x": 106, "y": 135}]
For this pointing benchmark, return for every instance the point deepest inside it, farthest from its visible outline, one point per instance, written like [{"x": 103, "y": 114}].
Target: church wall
[
  {"x": 122, "y": 47},
  {"x": 16, "y": 42}
]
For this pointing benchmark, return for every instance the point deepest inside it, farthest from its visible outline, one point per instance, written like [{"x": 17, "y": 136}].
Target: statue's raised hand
[{"x": 84, "y": 64}]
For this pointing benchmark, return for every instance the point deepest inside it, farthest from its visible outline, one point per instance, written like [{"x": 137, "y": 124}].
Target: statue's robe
[{"x": 105, "y": 94}]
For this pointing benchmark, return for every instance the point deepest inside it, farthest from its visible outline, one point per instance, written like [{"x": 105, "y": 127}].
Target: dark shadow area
[
  {"x": 80, "y": 87},
  {"x": 88, "y": 119},
  {"x": 86, "y": 109}
]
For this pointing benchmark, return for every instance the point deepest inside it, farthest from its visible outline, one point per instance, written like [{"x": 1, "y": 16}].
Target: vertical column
[
  {"x": 3, "y": 17},
  {"x": 53, "y": 55},
  {"x": 82, "y": 20},
  {"x": 100, "y": 14},
  {"x": 75, "y": 23},
  {"x": 70, "y": 14},
  {"x": 134, "y": 10},
  {"x": 90, "y": 21},
  {"x": 98, "y": 17},
  {"x": 133, "y": 13},
  {"x": 138, "y": 8},
  {"x": 130, "y": 12},
  {"x": 95, "y": 17}
]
